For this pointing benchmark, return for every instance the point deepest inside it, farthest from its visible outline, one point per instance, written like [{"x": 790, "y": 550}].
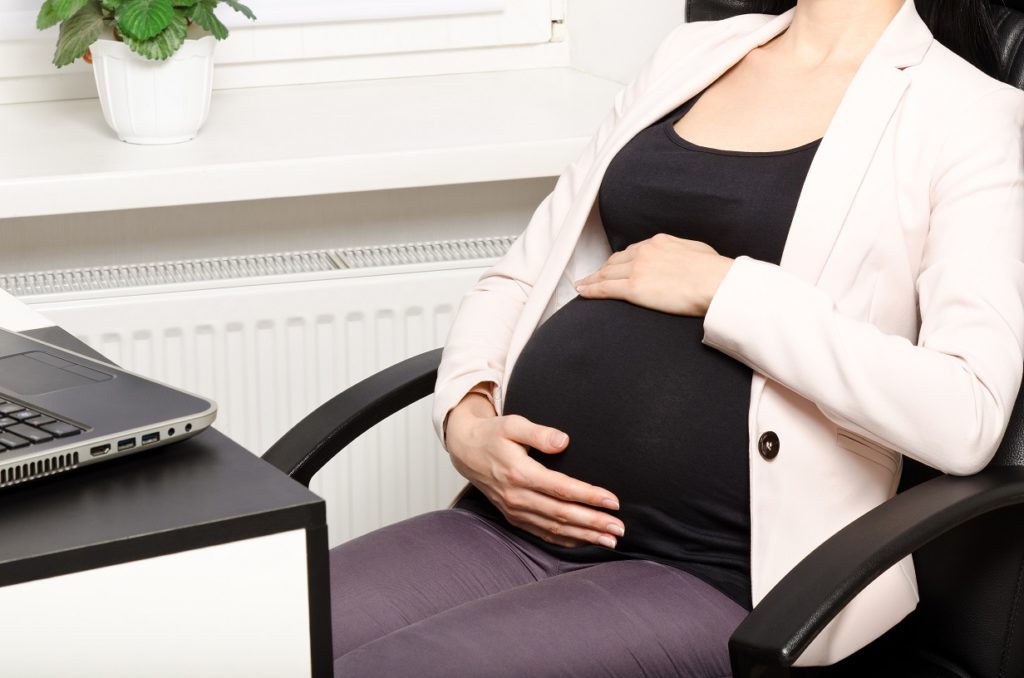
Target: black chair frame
[{"x": 782, "y": 625}]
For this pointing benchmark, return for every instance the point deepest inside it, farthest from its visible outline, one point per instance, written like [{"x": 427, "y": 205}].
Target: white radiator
[{"x": 271, "y": 337}]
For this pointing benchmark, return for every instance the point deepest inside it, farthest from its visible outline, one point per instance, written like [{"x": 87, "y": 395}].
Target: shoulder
[
  {"x": 969, "y": 123},
  {"x": 957, "y": 92},
  {"x": 703, "y": 35},
  {"x": 690, "y": 40}
]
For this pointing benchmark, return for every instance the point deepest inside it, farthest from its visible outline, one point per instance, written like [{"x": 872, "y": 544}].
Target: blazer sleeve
[
  {"x": 946, "y": 400},
  {"x": 481, "y": 331}
]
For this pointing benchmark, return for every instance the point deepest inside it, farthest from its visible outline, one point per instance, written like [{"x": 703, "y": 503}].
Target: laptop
[{"x": 60, "y": 410}]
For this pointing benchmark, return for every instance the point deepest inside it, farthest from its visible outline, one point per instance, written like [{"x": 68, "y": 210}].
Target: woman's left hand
[{"x": 663, "y": 273}]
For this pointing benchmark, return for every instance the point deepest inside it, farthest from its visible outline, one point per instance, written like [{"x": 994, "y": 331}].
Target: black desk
[{"x": 200, "y": 493}]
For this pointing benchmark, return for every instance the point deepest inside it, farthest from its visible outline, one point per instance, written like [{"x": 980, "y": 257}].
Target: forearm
[
  {"x": 479, "y": 402},
  {"x": 943, "y": 397},
  {"x": 945, "y": 402},
  {"x": 474, "y": 353}
]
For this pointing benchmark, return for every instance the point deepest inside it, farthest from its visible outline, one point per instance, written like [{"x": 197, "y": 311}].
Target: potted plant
[{"x": 153, "y": 60}]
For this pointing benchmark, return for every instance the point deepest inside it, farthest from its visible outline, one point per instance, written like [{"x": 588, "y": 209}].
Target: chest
[
  {"x": 868, "y": 236},
  {"x": 765, "y": 104},
  {"x": 737, "y": 202}
]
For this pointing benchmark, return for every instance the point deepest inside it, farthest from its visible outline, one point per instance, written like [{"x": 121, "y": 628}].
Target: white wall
[{"x": 612, "y": 38}]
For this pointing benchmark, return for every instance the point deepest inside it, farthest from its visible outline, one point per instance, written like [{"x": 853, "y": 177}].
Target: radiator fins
[
  {"x": 251, "y": 266},
  {"x": 38, "y": 468},
  {"x": 425, "y": 252}
]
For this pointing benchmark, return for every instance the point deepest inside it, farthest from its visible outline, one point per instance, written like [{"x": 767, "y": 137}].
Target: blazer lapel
[
  {"x": 850, "y": 143},
  {"x": 839, "y": 165},
  {"x": 847, "y": 149}
]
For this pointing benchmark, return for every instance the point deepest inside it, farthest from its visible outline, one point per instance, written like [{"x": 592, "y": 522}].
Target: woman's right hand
[{"x": 490, "y": 451}]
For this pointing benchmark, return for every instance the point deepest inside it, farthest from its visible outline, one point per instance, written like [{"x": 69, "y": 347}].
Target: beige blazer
[{"x": 893, "y": 326}]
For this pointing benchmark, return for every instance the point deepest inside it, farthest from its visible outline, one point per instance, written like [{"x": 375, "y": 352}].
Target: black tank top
[{"x": 652, "y": 414}]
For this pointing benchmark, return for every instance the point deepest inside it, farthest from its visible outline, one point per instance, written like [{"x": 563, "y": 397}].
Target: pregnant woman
[{"x": 792, "y": 254}]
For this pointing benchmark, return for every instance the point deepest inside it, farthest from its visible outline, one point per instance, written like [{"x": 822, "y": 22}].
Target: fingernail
[
  {"x": 558, "y": 439},
  {"x": 605, "y": 540},
  {"x": 610, "y": 504},
  {"x": 616, "y": 529}
]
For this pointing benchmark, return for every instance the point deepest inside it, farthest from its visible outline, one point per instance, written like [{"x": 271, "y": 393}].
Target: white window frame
[
  {"x": 283, "y": 12},
  {"x": 301, "y": 41},
  {"x": 17, "y": 17}
]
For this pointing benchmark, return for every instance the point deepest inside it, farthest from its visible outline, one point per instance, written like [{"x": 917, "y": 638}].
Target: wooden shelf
[{"x": 268, "y": 142}]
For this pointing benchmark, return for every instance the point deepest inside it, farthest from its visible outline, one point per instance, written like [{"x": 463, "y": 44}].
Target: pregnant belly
[{"x": 652, "y": 414}]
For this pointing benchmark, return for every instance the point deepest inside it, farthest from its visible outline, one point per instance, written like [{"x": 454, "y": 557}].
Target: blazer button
[{"x": 768, "y": 445}]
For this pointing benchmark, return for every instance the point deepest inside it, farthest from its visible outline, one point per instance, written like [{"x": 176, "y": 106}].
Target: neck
[{"x": 827, "y": 32}]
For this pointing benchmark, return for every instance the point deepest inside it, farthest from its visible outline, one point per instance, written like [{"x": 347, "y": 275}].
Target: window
[
  {"x": 303, "y": 41},
  {"x": 18, "y": 19},
  {"x": 505, "y": 21},
  {"x": 276, "y": 12}
]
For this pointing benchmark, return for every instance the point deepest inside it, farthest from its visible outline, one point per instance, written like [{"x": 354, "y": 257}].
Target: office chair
[{"x": 966, "y": 533}]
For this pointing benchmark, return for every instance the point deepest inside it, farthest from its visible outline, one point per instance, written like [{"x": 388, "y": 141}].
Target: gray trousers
[{"x": 453, "y": 594}]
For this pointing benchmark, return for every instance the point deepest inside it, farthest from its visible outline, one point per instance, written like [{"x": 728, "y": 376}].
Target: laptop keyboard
[{"x": 21, "y": 426}]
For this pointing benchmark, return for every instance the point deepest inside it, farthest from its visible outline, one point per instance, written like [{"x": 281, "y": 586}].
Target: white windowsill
[{"x": 60, "y": 157}]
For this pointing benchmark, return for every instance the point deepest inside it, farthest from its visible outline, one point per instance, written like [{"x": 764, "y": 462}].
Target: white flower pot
[{"x": 154, "y": 102}]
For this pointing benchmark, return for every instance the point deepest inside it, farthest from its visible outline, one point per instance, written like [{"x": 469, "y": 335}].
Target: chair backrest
[
  {"x": 1008, "y": 17},
  {"x": 971, "y": 616}
]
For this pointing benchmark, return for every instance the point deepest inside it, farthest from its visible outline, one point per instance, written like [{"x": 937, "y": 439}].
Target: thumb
[
  {"x": 542, "y": 438},
  {"x": 549, "y": 440}
]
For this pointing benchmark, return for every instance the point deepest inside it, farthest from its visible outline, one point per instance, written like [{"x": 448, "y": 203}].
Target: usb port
[
  {"x": 126, "y": 444},
  {"x": 100, "y": 450},
  {"x": 150, "y": 438}
]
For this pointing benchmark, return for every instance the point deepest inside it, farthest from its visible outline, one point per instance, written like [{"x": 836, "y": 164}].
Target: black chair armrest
[
  {"x": 314, "y": 441},
  {"x": 794, "y": 612},
  {"x": 779, "y": 629}
]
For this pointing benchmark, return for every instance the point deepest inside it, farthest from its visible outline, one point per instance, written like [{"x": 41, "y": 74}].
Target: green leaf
[
  {"x": 203, "y": 15},
  {"x": 111, "y": 5},
  {"x": 184, "y": 3},
  {"x": 47, "y": 16},
  {"x": 242, "y": 9},
  {"x": 162, "y": 45},
  {"x": 65, "y": 9},
  {"x": 144, "y": 19},
  {"x": 78, "y": 32}
]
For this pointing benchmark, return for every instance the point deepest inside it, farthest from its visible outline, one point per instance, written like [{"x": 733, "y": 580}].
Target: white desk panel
[{"x": 235, "y": 609}]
